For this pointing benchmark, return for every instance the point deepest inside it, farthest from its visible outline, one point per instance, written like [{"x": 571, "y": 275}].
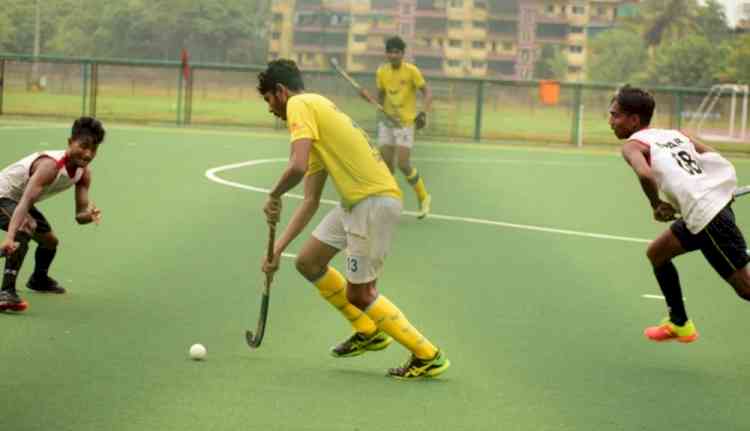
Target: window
[
  {"x": 574, "y": 69},
  {"x": 457, "y": 3},
  {"x": 477, "y": 64},
  {"x": 479, "y": 24},
  {"x": 428, "y": 63},
  {"x": 454, "y": 63},
  {"x": 275, "y": 35},
  {"x": 601, "y": 11},
  {"x": 480, "y": 4},
  {"x": 478, "y": 44},
  {"x": 550, "y": 9},
  {"x": 576, "y": 49},
  {"x": 454, "y": 24},
  {"x": 502, "y": 67},
  {"x": 578, "y": 10},
  {"x": 576, "y": 29},
  {"x": 454, "y": 43},
  {"x": 360, "y": 38},
  {"x": 507, "y": 46}
]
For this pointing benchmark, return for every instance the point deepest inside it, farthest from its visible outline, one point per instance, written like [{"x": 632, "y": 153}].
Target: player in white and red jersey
[
  {"x": 689, "y": 182},
  {"x": 30, "y": 180}
]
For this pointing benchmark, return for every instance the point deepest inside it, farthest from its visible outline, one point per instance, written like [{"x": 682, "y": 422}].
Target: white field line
[{"x": 211, "y": 174}]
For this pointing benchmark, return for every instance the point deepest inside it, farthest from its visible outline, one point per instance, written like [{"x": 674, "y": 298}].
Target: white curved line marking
[
  {"x": 211, "y": 175},
  {"x": 508, "y": 161}
]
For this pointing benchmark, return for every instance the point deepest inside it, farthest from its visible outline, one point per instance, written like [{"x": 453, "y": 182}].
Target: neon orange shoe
[{"x": 668, "y": 331}]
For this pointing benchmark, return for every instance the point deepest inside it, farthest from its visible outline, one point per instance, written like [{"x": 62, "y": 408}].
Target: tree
[
  {"x": 616, "y": 55},
  {"x": 551, "y": 64},
  {"x": 737, "y": 66},
  {"x": 711, "y": 20},
  {"x": 667, "y": 20},
  {"x": 7, "y": 30},
  {"x": 690, "y": 62}
]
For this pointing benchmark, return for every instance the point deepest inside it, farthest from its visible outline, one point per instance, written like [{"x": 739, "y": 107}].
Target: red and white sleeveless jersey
[
  {"x": 697, "y": 185},
  {"x": 14, "y": 178}
]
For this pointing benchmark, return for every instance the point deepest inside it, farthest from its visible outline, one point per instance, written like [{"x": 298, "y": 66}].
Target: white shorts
[
  {"x": 365, "y": 232},
  {"x": 403, "y": 137}
]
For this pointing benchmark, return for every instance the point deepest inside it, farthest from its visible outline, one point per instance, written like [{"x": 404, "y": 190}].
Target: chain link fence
[{"x": 225, "y": 95}]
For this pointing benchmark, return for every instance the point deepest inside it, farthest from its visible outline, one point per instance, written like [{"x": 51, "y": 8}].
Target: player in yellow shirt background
[
  {"x": 398, "y": 82},
  {"x": 326, "y": 142}
]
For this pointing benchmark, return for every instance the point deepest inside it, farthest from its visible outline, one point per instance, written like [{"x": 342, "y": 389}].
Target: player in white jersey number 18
[{"x": 692, "y": 185}]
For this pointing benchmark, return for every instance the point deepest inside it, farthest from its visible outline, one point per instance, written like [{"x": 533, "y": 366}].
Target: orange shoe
[{"x": 668, "y": 331}]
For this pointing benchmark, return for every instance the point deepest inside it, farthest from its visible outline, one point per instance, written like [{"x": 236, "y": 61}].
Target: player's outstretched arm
[{"x": 86, "y": 211}]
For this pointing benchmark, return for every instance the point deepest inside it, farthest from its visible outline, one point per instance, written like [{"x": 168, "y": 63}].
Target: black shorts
[
  {"x": 721, "y": 242},
  {"x": 7, "y": 206}
]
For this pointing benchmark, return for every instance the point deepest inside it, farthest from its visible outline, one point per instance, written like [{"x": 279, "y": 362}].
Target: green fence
[{"x": 212, "y": 94}]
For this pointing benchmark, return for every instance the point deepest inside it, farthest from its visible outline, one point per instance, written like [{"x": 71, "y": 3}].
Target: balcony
[
  {"x": 317, "y": 48},
  {"x": 552, "y": 18},
  {"x": 428, "y": 51},
  {"x": 431, "y": 13},
  {"x": 317, "y": 28},
  {"x": 501, "y": 56}
]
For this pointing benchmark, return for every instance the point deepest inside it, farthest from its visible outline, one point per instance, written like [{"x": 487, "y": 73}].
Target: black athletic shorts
[
  {"x": 721, "y": 242},
  {"x": 7, "y": 206}
]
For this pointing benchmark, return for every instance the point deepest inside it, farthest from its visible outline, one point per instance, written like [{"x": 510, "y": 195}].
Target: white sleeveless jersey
[
  {"x": 14, "y": 178},
  {"x": 697, "y": 185}
]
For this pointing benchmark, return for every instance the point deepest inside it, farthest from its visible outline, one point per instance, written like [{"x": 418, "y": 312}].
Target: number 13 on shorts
[{"x": 352, "y": 264}]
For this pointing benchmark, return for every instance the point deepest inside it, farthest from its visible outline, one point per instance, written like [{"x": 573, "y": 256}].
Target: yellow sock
[
  {"x": 332, "y": 287},
  {"x": 391, "y": 320},
  {"x": 416, "y": 181}
]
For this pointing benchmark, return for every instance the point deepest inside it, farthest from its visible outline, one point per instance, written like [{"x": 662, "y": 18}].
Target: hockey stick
[
  {"x": 254, "y": 340},
  {"x": 741, "y": 191},
  {"x": 395, "y": 122}
]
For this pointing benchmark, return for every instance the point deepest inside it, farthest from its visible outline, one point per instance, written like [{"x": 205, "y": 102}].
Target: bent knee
[
  {"x": 653, "y": 256},
  {"x": 309, "y": 268},
  {"x": 48, "y": 240},
  {"x": 405, "y": 168},
  {"x": 740, "y": 281}
]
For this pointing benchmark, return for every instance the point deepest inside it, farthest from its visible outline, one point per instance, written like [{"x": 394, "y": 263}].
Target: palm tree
[{"x": 667, "y": 20}]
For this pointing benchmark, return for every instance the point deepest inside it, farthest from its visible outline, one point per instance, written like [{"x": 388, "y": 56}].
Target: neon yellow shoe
[
  {"x": 424, "y": 207},
  {"x": 668, "y": 331},
  {"x": 415, "y": 368},
  {"x": 360, "y": 343}
]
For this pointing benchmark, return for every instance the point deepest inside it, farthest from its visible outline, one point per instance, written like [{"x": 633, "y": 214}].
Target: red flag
[{"x": 184, "y": 57}]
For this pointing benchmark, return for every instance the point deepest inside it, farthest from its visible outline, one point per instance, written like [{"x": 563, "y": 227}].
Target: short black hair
[
  {"x": 88, "y": 129},
  {"x": 395, "y": 43},
  {"x": 636, "y": 101},
  {"x": 282, "y": 71}
]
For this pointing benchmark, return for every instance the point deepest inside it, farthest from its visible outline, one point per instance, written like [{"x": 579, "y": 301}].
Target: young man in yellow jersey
[
  {"x": 325, "y": 141},
  {"x": 398, "y": 82}
]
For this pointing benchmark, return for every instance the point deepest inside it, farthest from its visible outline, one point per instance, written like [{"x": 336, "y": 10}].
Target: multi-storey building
[
  {"x": 743, "y": 16},
  {"x": 461, "y": 38}
]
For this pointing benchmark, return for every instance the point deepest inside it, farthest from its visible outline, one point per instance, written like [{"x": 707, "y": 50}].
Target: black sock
[
  {"x": 669, "y": 282},
  {"x": 13, "y": 264},
  {"x": 43, "y": 259}
]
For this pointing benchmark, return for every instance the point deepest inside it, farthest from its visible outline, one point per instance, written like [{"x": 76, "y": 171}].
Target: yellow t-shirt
[
  {"x": 400, "y": 87},
  {"x": 340, "y": 148}
]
